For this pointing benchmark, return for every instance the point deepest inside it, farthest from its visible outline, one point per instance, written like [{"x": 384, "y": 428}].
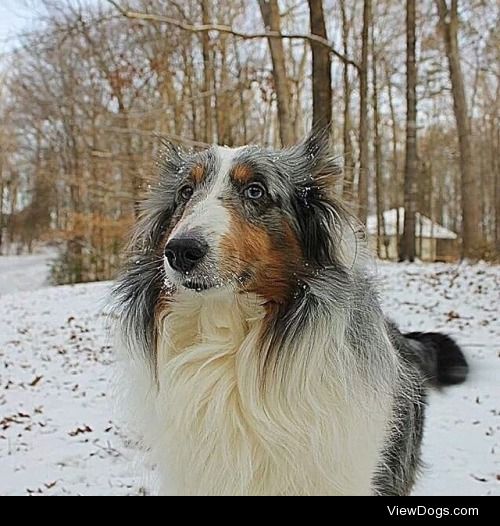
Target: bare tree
[
  {"x": 321, "y": 66},
  {"x": 472, "y": 242},
  {"x": 2, "y": 190},
  {"x": 348, "y": 181},
  {"x": 272, "y": 20},
  {"x": 408, "y": 247},
  {"x": 497, "y": 207},
  {"x": 363, "y": 115},
  {"x": 208, "y": 72},
  {"x": 377, "y": 147},
  {"x": 495, "y": 166},
  {"x": 3, "y": 176},
  {"x": 395, "y": 172}
]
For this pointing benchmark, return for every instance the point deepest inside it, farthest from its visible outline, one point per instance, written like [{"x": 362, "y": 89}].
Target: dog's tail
[{"x": 440, "y": 358}]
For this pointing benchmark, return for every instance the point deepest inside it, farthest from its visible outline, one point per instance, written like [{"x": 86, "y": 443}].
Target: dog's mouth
[
  {"x": 205, "y": 284},
  {"x": 197, "y": 285}
]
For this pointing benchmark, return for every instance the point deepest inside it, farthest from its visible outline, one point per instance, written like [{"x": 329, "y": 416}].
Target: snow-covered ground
[
  {"x": 58, "y": 435},
  {"x": 24, "y": 272},
  {"x": 462, "y": 438}
]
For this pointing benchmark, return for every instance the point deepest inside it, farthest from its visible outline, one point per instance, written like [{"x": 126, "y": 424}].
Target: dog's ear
[
  {"x": 316, "y": 170},
  {"x": 172, "y": 158},
  {"x": 317, "y": 158}
]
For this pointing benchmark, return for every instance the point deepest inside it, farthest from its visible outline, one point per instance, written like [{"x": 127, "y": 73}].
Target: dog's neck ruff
[
  {"x": 215, "y": 318},
  {"x": 222, "y": 432}
]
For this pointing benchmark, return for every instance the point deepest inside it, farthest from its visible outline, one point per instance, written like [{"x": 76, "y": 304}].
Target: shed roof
[{"x": 425, "y": 226}]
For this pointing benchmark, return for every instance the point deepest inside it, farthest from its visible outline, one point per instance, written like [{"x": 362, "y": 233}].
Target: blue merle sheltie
[{"x": 259, "y": 360}]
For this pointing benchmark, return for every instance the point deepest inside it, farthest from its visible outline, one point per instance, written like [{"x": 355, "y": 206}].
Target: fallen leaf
[
  {"x": 36, "y": 381},
  {"x": 80, "y": 431}
]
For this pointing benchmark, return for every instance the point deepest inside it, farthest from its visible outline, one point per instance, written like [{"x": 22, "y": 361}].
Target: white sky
[
  {"x": 18, "y": 16},
  {"x": 14, "y": 18}
]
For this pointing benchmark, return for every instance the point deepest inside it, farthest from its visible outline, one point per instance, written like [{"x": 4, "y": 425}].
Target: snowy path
[
  {"x": 19, "y": 273},
  {"x": 58, "y": 436}
]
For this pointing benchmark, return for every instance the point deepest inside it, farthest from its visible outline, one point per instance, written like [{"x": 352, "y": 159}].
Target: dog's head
[{"x": 245, "y": 219}]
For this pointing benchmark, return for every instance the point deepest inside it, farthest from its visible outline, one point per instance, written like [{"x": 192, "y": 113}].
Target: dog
[{"x": 259, "y": 359}]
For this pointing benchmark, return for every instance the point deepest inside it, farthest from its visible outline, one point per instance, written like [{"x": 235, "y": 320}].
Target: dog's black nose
[{"x": 184, "y": 253}]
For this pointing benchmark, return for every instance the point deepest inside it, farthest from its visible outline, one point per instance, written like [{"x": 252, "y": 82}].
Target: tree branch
[
  {"x": 155, "y": 135},
  {"x": 221, "y": 28}
]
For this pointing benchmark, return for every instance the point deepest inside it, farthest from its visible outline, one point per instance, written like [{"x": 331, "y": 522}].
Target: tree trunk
[
  {"x": 472, "y": 242},
  {"x": 208, "y": 74},
  {"x": 13, "y": 192},
  {"x": 395, "y": 164},
  {"x": 298, "y": 91},
  {"x": 379, "y": 191},
  {"x": 191, "y": 88},
  {"x": 243, "y": 76},
  {"x": 1, "y": 207},
  {"x": 410, "y": 186},
  {"x": 496, "y": 172},
  {"x": 272, "y": 20},
  {"x": 348, "y": 181},
  {"x": 135, "y": 176},
  {"x": 363, "y": 116},
  {"x": 321, "y": 68},
  {"x": 432, "y": 213}
]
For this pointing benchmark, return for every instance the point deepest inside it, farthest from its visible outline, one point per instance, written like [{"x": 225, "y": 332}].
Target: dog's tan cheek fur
[
  {"x": 248, "y": 247},
  {"x": 198, "y": 173},
  {"x": 242, "y": 173}
]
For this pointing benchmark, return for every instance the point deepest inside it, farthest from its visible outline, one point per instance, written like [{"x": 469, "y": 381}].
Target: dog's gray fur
[{"x": 298, "y": 180}]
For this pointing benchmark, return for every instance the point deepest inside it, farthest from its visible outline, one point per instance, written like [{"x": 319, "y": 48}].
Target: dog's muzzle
[{"x": 185, "y": 253}]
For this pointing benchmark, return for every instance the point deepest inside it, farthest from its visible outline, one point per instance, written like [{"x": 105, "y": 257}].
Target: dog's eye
[
  {"x": 255, "y": 191},
  {"x": 186, "y": 192}
]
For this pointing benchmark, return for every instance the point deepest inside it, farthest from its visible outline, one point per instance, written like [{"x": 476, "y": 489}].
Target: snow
[
  {"x": 58, "y": 434},
  {"x": 462, "y": 440},
  {"x": 426, "y": 228},
  {"x": 24, "y": 272}
]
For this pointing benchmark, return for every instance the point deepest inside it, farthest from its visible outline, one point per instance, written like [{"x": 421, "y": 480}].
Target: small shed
[{"x": 434, "y": 241}]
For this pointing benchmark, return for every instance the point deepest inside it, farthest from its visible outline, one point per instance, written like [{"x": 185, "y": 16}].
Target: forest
[{"x": 410, "y": 92}]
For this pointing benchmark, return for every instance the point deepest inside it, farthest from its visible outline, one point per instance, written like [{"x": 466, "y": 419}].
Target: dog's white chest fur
[{"x": 314, "y": 428}]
